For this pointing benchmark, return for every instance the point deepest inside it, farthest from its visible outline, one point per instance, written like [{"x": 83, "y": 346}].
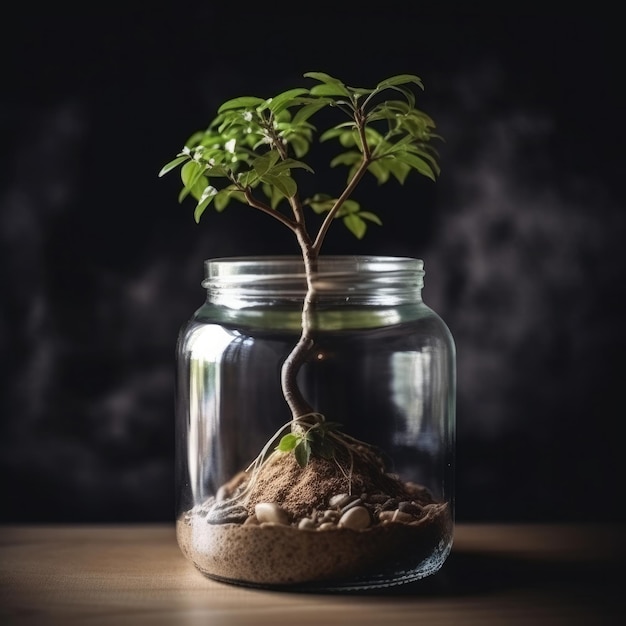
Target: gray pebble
[
  {"x": 349, "y": 505},
  {"x": 410, "y": 507}
]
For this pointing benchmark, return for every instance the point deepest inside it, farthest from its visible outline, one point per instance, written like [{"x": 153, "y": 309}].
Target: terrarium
[{"x": 315, "y": 413}]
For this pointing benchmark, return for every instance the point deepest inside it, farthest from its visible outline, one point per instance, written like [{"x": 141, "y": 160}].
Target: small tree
[{"x": 250, "y": 153}]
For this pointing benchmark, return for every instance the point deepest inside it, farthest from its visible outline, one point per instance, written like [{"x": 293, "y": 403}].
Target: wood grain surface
[{"x": 497, "y": 574}]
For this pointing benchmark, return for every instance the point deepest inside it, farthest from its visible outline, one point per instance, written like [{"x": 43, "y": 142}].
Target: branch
[
  {"x": 361, "y": 121},
  {"x": 261, "y": 206},
  {"x": 294, "y": 203},
  {"x": 342, "y": 198}
]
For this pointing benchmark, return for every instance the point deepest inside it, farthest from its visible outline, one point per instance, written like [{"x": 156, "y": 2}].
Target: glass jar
[{"x": 371, "y": 505}]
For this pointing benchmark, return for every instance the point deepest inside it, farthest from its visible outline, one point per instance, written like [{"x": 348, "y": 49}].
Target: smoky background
[{"x": 522, "y": 237}]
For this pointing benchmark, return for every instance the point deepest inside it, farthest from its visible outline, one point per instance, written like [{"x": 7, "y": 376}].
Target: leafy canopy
[{"x": 253, "y": 148}]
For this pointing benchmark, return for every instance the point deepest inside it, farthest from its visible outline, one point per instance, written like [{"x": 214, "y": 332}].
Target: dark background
[{"x": 523, "y": 238}]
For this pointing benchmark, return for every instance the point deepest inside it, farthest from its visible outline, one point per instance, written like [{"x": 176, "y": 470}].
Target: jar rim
[{"x": 269, "y": 264}]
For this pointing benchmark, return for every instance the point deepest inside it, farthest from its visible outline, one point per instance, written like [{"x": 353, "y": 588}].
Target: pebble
[
  {"x": 395, "y": 516},
  {"x": 340, "y": 500},
  {"x": 378, "y": 498},
  {"x": 270, "y": 512},
  {"x": 329, "y": 516},
  {"x": 357, "y": 502},
  {"x": 410, "y": 507},
  {"x": 356, "y": 518},
  {"x": 344, "y": 511}
]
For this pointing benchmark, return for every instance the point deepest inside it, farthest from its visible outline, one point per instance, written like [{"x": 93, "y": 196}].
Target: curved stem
[{"x": 297, "y": 357}]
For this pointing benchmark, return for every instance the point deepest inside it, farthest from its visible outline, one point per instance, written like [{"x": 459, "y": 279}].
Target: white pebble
[
  {"x": 395, "y": 516},
  {"x": 340, "y": 500},
  {"x": 270, "y": 512},
  {"x": 356, "y": 518}
]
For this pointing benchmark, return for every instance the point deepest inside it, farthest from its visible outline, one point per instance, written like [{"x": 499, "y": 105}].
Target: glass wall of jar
[{"x": 356, "y": 493}]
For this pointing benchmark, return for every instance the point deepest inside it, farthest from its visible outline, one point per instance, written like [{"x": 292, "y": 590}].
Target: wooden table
[{"x": 512, "y": 575}]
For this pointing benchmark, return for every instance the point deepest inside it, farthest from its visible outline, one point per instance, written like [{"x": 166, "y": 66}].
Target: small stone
[
  {"x": 349, "y": 505},
  {"x": 378, "y": 498},
  {"x": 410, "y": 507},
  {"x": 395, "y": 516},
  {"x": 391, "y": 504},
  {"x": 270, "y": 512},
  {"x": 220, "y": 513},
  {"x": 222, "y": 494},
  {"x": 356, "y": 518},
  {"x": 329, "y": 516},
  {"x": 340, "y": 500},
  {"x": 306, "y": 524}
]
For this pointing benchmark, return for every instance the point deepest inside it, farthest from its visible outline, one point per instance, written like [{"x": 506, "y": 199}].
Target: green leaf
[
  {"x": 331, "y": 133},
  {"x": 197, "y": 191},
  {"x": 427, "y": 153},
  {"x": 355, "y": 225},
  {"x": 282, "y": 101},
  {"x": 309, "y": 110},
  {"x": 223, "y": 198},
  {"x": 299, "y": 144},
  {"x": 285, "y": 184},
  {"x": 322, "y": 77},
  {"x": 288, "y": 164},
  {"x": 288, "y": 442},
  {"x": 347, "y": 158},
  {"x": 398, "y": 169},
  {"x": 380, "y": 170},
  {"x": 400, "y": 79},
  {"x": 182, "y": 194},
  {"x": 330, "y": 89},
  {"x": 416, "y": 163},
  {"x": 372, "y": 217},
  {"x": 248, "y": 178},
  {"x": 205, "y": 199},
  {"x": 265, "y": 162},
  {"x": 221, "y": 201},
  {"x": 172, "y": 164},
  {"x": 274, "y": 196},
  {"x": 321, "y": 202},
  {"x": 348, "y": 206},
  {"x": 302, "y": 452},
  {"x": 190, "y": 173},
  {"x": 243, "y": 102}
]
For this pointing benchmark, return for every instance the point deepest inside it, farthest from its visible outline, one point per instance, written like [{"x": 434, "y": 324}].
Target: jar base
[
  {"x": 398, "y": 579},
  {"x": 283, "y": 557}
]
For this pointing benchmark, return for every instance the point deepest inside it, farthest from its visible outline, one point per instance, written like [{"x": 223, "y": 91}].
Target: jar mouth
[
  {"x": 293, "y": 265},
  {"x": 245, "y": 281}
]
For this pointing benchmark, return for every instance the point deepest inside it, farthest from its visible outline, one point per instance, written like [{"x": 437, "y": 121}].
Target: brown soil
[{"x": 300, "y": 490}]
